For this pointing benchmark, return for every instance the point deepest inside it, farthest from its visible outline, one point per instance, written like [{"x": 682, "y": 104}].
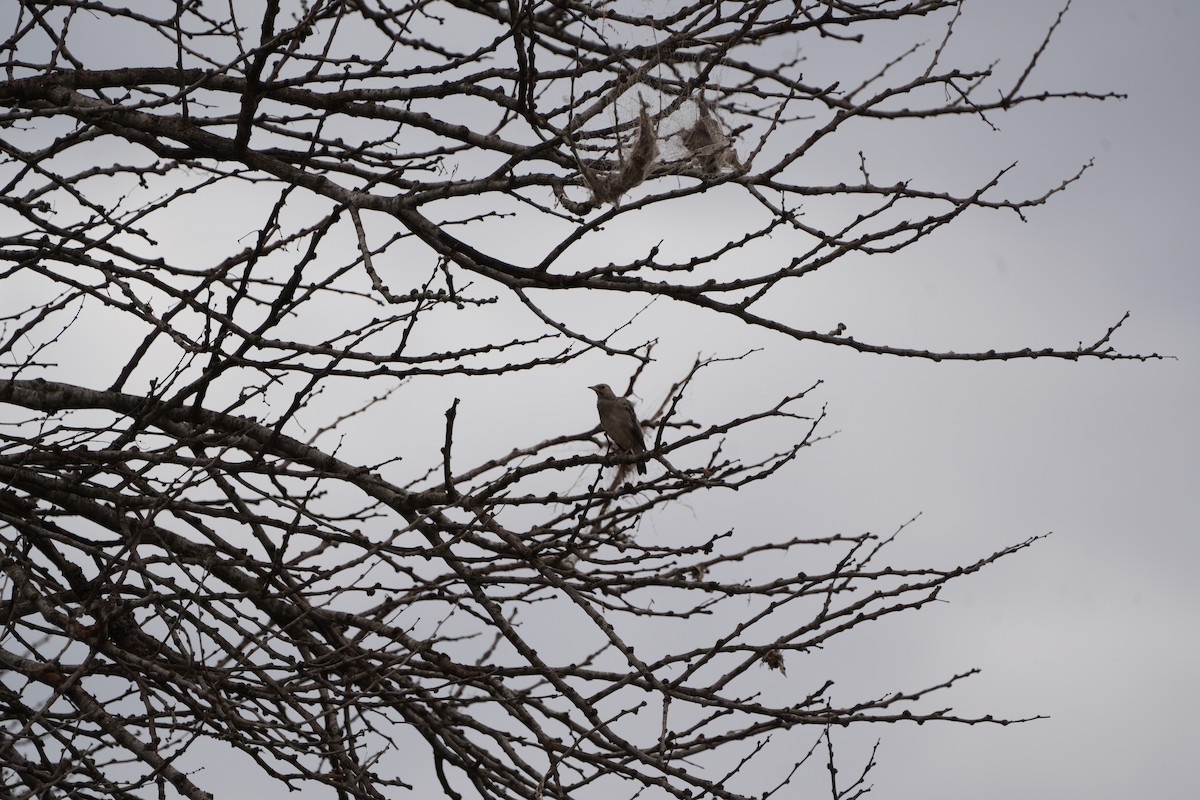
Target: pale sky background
[{"x": 1095, "y": 627}]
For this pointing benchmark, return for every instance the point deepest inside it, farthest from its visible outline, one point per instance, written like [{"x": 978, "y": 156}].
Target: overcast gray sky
[{"x": 1095, "y": 627}]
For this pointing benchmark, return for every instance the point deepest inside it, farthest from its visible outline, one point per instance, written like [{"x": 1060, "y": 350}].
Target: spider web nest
[{"x": 686, "y": 139}]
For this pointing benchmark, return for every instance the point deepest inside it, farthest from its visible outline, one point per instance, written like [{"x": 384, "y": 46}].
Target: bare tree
[{"x": 231, "y": 234}]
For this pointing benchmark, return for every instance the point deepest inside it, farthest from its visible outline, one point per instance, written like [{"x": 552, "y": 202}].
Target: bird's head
[{"x": 602, "y": 390}]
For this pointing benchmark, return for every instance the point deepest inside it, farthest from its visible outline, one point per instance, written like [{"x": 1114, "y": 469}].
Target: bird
[{"x": 620, "y": 422}]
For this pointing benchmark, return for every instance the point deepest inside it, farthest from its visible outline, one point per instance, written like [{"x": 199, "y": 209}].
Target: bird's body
[{"x": 619, "y": 422}]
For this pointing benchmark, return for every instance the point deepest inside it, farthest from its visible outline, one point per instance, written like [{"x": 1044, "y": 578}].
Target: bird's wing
[{"x": 630, "y": 424}]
